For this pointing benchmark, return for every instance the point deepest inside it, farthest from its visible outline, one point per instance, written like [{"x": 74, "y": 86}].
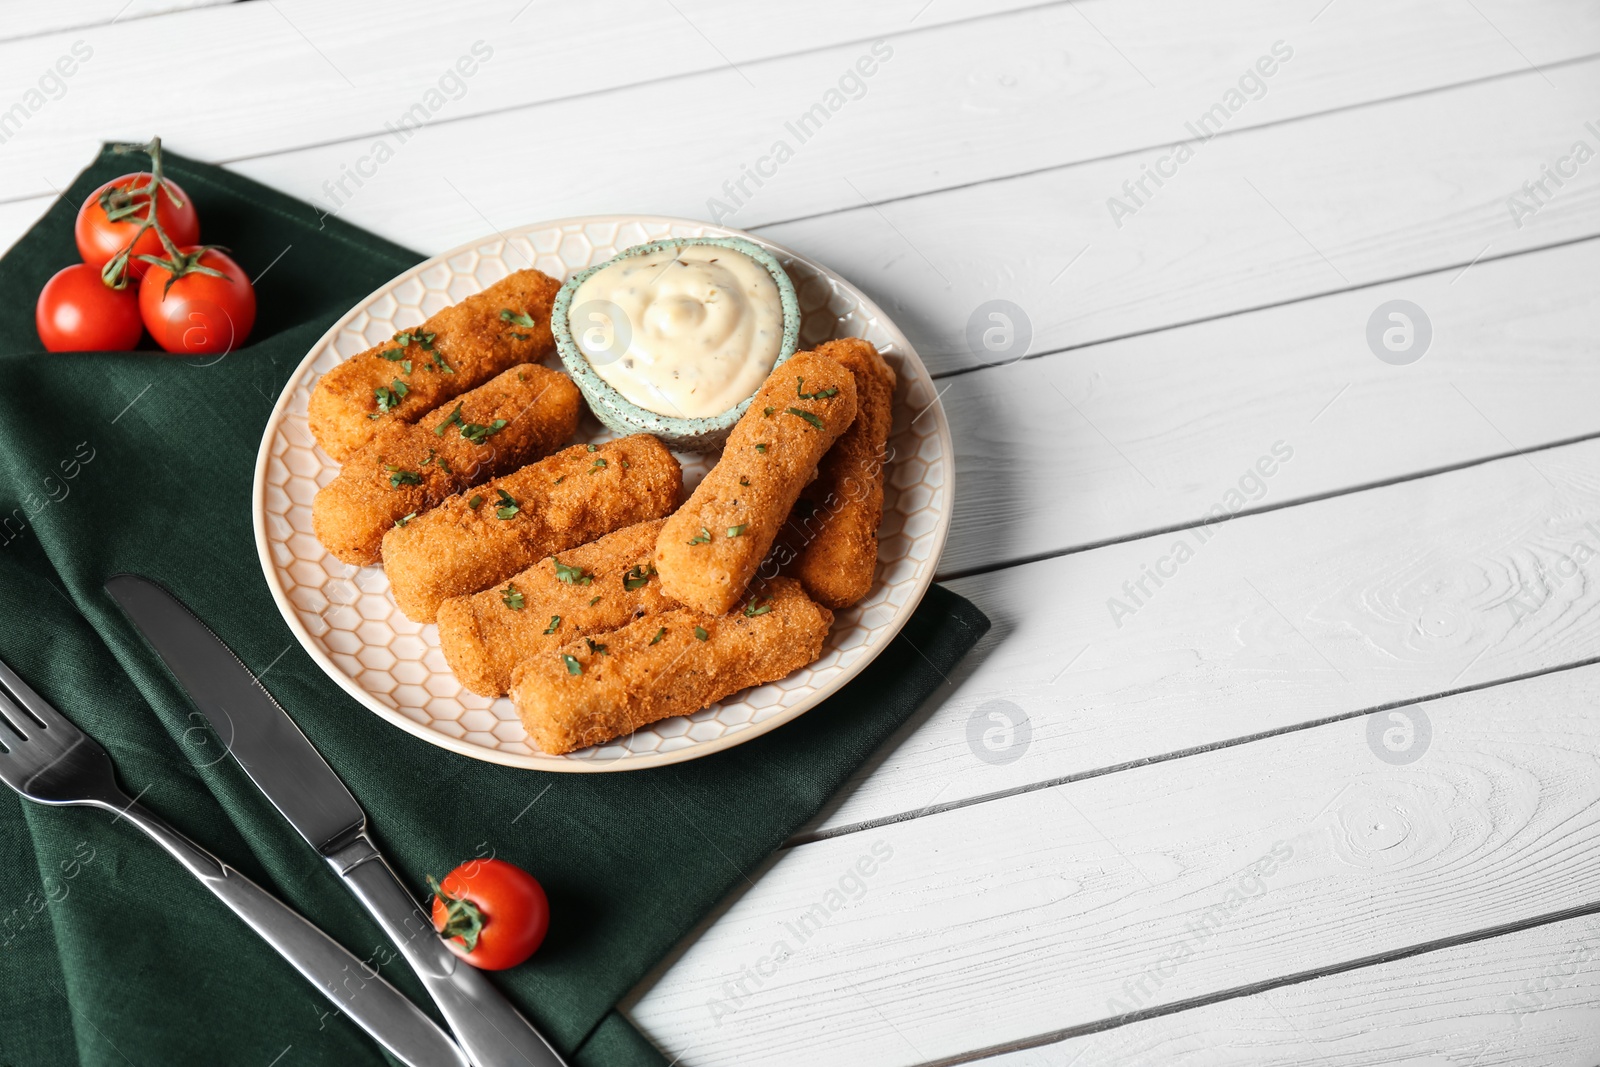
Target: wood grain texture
[
  {"x": 31, "y": 20},
  {"x": 1029, "y": 914},
  {"x": 1150, "y": 432},
  {"x": 1276, "y": 620},
  {"x": 281, "y": 76},
  {"x": 954, "y": 106},
  {"x": 1262, "y": 217},
  {"x": 1528, "y": 999}
]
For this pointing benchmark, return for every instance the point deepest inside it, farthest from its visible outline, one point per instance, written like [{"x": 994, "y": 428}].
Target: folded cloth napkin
[{"x": 111, "y": 953}]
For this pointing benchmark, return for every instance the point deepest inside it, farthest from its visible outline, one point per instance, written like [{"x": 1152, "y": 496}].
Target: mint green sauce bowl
[{"x": 615, "y": 411}]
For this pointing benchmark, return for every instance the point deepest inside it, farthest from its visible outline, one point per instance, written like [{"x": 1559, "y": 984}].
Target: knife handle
[
  {"x": 491, "y": 1031},
  {"x": 357, "y": 990}
]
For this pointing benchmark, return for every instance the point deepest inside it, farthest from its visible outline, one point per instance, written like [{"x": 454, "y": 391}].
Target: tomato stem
[
  {"x": 120, "y": 203},
  {"x": 463, "y": 918}
]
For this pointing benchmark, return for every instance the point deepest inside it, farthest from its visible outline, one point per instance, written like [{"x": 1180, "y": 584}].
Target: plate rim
[{"x": 543, "y": 761}]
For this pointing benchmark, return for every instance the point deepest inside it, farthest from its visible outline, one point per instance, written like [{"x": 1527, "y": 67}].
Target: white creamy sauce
[{"x": 690, "y": 331}]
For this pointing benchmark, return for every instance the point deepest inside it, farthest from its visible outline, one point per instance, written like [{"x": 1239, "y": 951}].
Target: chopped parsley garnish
[
  {"x": 735, "y": 531},
  {"x": 420, "y": 337},
  {"x": 512, "y": 597},
  {"x": 593, "y": 602},
  {"x": 744, "y": 481},
  {"x": 700, "y": 633},
  {"x": 595, "y": 647},
  {"x": 637, "y": 578},
  {"x": 508, "y": 506},
  {"x": 573, "y": 666},
  {"x": 518, "y": 319},
  {"x": 820, "y": 394},
  {"x": 559, "y": 480},
  {"x": 440, "y": 365},
  {"x": 762, "y": 449},
  {"x": 477, "y": 498},
  {"x": 768, "y": 412},
  {"x": 397, "y": 355},
  {"x": 571, "y": 575},
  {"x": 659, "y": 635},
  {"x": 402, "y": 520},
  {"x": 399, "y": 477},
  {"x": 626, "y": 465},
  {"x": 478, "y": 433},
  {"x": 389, "y": 396},
  {"x": 453, "y": 419},
  {"x": 702, "y": 538},
  {"x": 812, "y": 419},
  {"x": 444, "y": 465},
  {"x": 594, "y": 448},
  {"x": 757, "y": 606},
  {"x": 598, "y": 465},
  {"x": 555, "y": 624}
]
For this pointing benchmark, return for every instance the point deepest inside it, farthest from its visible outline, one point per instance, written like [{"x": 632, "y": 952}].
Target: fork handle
[
  {"x": 356, "y": 989},
  {"x": 491, "y": 1031}
]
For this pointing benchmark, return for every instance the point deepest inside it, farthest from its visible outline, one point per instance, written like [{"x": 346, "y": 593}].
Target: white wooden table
[{"x": 1320, "y": 786}]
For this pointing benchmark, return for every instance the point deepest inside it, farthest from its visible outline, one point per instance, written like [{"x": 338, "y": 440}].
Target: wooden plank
[
  {"x": 32, "y": 20},
  {"x": 1156, "y": 886},
  {"x": 292, "y": 73},
  {"x": 1252, "y": 220},
  {"x": 1036, "y": 89},
  {"x": 1528, "y": 999},
  {"x": 1274, "y": 621},
  {"x": 1151, "y": 432}
]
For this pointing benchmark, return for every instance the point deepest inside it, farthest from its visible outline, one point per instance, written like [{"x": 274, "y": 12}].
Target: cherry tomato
[
  {"x": 199, "y": 313},
  {"x": 77, "y": 312},
  {"x": 492, "y": 914},
  {"x": 100, "y": 237}
]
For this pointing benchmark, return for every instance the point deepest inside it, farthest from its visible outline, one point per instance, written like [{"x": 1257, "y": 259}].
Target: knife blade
[{"x": 285, "y": 766}]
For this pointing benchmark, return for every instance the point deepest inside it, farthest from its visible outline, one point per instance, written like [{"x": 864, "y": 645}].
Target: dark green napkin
[{"x": 111, "y": 954}]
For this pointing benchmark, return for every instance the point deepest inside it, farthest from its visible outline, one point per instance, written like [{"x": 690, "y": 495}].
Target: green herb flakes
[
  {"x": 573, "y": 666},
  {"x": 638, "y": 577},
  {"x": 508, "y": 506},
  {"x": 596, "y": 647},
  {"x": 702, "y": 538},
  {"x": 736, "y": 531},
  {"x": 812, "y": 419},
  {"x": 700, "y": 634},
  {"x": 453, "y": 419},
  {"x": 821, "y": 394},
  {"x": 512, "y": 596},
  {"x": 757, "y": 606},
  {"x": 478, "y": 434},
  {"x": 402, "y": 520},
  {"x": 659, "y": 635},
  {"x": 477, "y": 498},
  {"x": 555, "y": 624},
  {"x": 399, "y": 477},
  {"x": 571, "y": 575}
]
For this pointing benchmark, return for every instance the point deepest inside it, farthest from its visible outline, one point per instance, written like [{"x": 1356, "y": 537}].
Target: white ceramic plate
[{"x": 346, "y": 619}]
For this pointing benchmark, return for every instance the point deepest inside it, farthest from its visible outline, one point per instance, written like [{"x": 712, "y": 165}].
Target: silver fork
[{"x": 47, "y": 759}]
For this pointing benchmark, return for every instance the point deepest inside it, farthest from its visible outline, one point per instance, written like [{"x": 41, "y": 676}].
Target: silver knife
[{"x": 294, "y": 776}]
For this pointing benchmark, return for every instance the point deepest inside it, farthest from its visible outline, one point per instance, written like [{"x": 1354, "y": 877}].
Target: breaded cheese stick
[
  {"x": 675, "y": 663},
  {"x": 457, "y": 349},
  {"x": 832, "y": 533},
  {"x": 519, "y": 416},
  {"x": 483, "y": 536},
  {"x": 583, "y": 592},
  {"x": 709, "y": 550}
]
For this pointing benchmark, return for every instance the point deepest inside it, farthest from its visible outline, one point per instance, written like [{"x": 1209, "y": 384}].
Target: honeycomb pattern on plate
[{"x": 347, "y": 620}]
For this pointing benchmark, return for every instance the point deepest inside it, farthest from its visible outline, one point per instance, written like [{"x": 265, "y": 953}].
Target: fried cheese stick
[
  {"x": 583, "y": 592},
  {"x": 483, "y": 536},
  {"x": 709, "y": 550},
  {"x": 673, "y": 663},
  {"x": 519, "y": 416},
  {"x": 832, "y": 533},
  {"x": 457, "y": 349}
]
